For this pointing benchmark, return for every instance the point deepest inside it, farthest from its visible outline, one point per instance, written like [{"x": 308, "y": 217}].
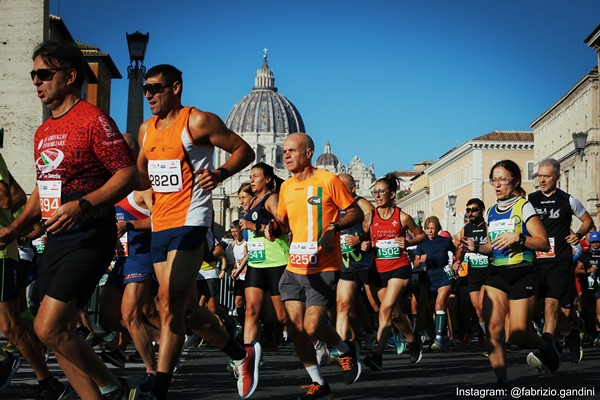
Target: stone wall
[{"x": 24, "y": 25}]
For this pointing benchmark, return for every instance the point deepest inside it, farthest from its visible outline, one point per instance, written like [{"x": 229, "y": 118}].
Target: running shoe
[
  {"x": 438, "y": 345},
  {"x": 415, "y": 350},
  {"x": 9, "y": 346},
  {"x": 231, "y": 368},
  {"x": 322, "y": 353},
  {"x": 93, "y": 341},
  {"x": 546, "y": 360},
  {"x": 575, "y": 345},
  {"x": 8, "y": 369},
  {"x": 334, "y": 354},
  {"x": 126, "y": 392},
  {"x": 144, "y": 387},
  {"x": 53, "y": 390},
  {"x": 374, "y": 361},
  {"x": 596, "y": 342},
  {"x": 316, "y": 391},
  {"x": 247, "y": 380},
  {"x": 192, "y": 340},
  {"x": 399, "y": 343},
  {"x": 350, "y": 362},
  {"x": 114, "y": 356}
]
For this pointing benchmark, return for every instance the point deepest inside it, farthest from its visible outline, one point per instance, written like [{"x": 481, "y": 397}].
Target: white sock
[{"x": 315, "y": 374}]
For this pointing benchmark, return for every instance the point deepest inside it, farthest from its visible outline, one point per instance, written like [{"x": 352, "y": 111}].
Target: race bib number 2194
[{"x": 50, "y": 197}]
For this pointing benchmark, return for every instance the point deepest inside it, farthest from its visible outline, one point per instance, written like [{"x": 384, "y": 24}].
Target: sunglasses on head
[
  {"x": 473, "y": 209},
  {"x": 154, "y": 88},
  {"x": 45, "y": 74}
]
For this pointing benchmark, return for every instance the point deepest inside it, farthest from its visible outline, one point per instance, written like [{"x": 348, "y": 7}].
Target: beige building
[
  {"x": 576, "y": 111},
  {"x": 463, "y": 173}
]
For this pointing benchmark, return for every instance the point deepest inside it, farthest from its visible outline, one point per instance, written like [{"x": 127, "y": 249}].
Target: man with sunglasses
[
  {"x": 177, "y": 161},
  {"x": 83, "y": 167},
  {"x": 555, "y": 267},
  {"x": 477, "y": 263}
]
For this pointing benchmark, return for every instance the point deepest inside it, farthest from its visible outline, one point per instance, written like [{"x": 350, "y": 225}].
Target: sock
[
  {"x": 111, "y": 387},
  {"x": 482, "y": 326},
  {"x": 233, "y": 350},
  {"x": 315, "y": 374},
  {"x": 161, "y": 387},
  {"x": 440, "y": 324},
  {"x": 342, "y": 347}
]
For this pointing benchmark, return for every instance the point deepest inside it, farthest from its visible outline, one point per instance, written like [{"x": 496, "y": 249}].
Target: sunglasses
[
  {"x": 45, "y": 74},
  {"x": 474, "y": 209},
  {"x": 380, "y": 192},
  {"x": 154, "y": 88}
]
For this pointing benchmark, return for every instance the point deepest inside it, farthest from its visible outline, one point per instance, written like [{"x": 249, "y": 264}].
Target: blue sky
[{"x": 393, "y": 82}]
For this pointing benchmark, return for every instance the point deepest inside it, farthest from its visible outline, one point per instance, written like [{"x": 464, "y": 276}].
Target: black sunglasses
[
  {"x": 45, "y": 74},
  {"x": 154, "y": 88},
  {"x": 474, "y": 209}
]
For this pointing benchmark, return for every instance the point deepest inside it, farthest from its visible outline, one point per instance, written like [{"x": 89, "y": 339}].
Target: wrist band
[{"x": 224, "y": 173}]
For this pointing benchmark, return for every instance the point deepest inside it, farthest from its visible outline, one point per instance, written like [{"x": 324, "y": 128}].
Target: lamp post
[
  {"x": 137, "y": 43},
  {"x": 579, "y": 140},
  {"x": 420, "y": 215},
  {"x": 451, "y": 208}
]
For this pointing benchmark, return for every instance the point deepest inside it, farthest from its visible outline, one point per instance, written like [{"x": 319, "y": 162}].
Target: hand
[
  {"x": 572, "y": 239},
  {"x": 222, "y": 274},
  {"x": 456, "y": 267},
  {"x": 64, "y": 218},
  {"x": 352, "y": 240},
  {"x": 401, "y": 241},
  {"x": 327, "y": 240},
  {"x": 208, "y": 180},
  {"x": 505, "y": 240},
  {"x": 423, "y": 259},
  {"x": 121, "y": 228},
  {"x": 271, "y": 231},
  {"x": 235, "y": 274},
  {"x": 365, "y": 246},
  {"x": 467, "y": 244}
]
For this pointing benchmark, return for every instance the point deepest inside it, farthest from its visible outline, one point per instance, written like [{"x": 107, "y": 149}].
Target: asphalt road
[{"x": 438, "y": 376}]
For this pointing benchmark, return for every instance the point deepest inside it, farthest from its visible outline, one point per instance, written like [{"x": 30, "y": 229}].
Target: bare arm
[
  {"x": 142, "y": 161},
  {"x": 24, "y": 221},
  {"x": 354, "y": 215},
  {"x": 17, "y": 194},
  {"x": 587, "y": 223},
  {"x": 417, "y": 232}
]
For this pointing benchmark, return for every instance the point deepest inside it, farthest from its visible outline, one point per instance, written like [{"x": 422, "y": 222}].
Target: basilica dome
[
  {"x": 327, "y": 159},
  {"x": 264, "y": 109}
]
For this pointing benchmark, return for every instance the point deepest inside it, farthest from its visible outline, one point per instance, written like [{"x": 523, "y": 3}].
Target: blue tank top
[{"x": 138, "y": 242}]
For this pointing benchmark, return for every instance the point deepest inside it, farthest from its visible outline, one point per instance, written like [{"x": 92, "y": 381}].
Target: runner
[
  {"x": 434, "y": 253},
  {"x": 588, "y": 267},
  {"x": 178, "y": 144},
  {"x": 238, "y": 273},
  {"x": 77, "y": 206},
  {"x": 309, "y": 206},
  {"x": 388, "y": 238},
  {"x": 266, "y": 260},
  {"x": 555, "y": 267},
  {"x": 476, "y": 263},
  {"x": 515, "y": 232}
]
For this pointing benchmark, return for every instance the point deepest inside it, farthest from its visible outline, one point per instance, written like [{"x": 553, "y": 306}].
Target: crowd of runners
[{"x": 312, "y": 262}]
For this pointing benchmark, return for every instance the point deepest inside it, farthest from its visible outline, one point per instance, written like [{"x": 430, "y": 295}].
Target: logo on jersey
[
  {"x": 394, "y": 222},
  {"x": 314, "y": 200},
  {"x": 108, "y": 127},
  {"x": 49, "y": 160},
  {"x": 517, "y": 219}
]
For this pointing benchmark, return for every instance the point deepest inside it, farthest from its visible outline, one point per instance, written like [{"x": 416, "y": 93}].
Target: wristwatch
[
  {"x": 336, "y": 226},
  {"x": 522, "y": 239},
  {"x": 85, "y": 205},
  {"x": 128, "y": 226}
]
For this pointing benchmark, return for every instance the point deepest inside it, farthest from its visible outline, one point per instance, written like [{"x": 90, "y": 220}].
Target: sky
[{"x": 393, "y": 82}]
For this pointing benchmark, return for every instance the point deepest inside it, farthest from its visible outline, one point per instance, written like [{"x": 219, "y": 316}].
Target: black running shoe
[
  {"x": 374, "y": 361},
  {"x": 53, "y": 390},
  {"x": 415, "y": 349},
  {"x": 350, "y": 363},
  {"x": 575, "y": 345}
]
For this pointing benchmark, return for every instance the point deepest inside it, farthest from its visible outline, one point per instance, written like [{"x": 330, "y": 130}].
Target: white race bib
[
  {"x": 304, "y": 255},
  {"x": 165, "y": 175},
  {"x": 256, "y": 251},
  {"x": 497, "y": 228},
  {"x": 345, "y": 247},
  {"x": 50, "y": 199},
  {"x": 387, "y": 249}
]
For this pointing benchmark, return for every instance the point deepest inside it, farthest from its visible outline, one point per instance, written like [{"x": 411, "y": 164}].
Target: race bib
[
  {"x": 165, "y": 175},
  {"x": 256, "y": 251},
  {"x": 50, "y": 200},
  {"x": 497, "y": 228},
  {"x": 477, "y": 260},
  {"x": 550, "y": 253},
  {"x": 304, "y": 255},
  {"x": 123, "y": 246},
  {"x": 387, "y": 249},
  {"x": 38, "y": 245},
  {"x": 345, "y": 247}
]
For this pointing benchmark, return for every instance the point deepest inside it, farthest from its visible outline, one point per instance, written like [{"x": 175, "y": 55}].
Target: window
[{"x": 529, "y": 169}]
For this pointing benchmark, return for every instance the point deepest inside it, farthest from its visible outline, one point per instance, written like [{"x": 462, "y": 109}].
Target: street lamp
[
  {"x": 420, "y": 215},
  {"x": 579, "y": 140},
  {"x": 137, "y": 43},
  {"x": 452, "y": 203}
]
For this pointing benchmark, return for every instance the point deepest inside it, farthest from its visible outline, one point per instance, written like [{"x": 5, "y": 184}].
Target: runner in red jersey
[
  {"x": 83, "y": 168},
  {"x": 388, "y": 231}
]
